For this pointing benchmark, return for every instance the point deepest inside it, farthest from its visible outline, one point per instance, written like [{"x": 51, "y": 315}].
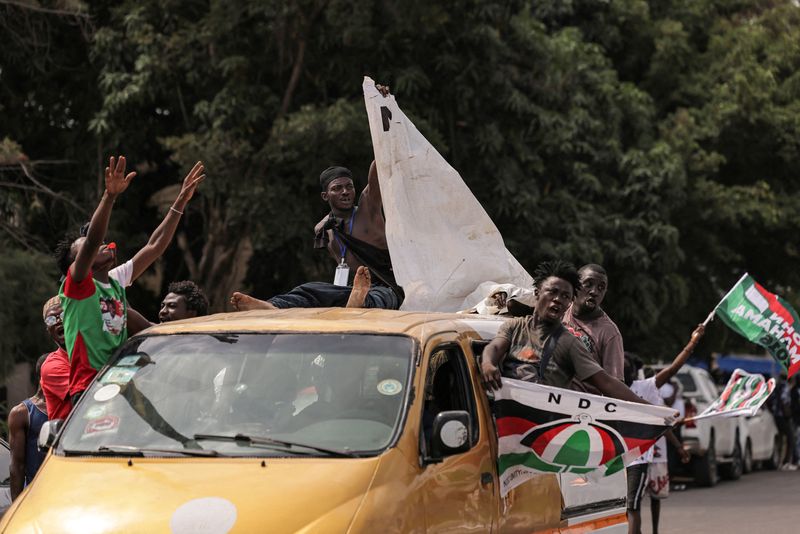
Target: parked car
[
  {"x": 717, "y": 444},
  {"x": 762, "y": 442},
  {"x": 304, "y": 420}
]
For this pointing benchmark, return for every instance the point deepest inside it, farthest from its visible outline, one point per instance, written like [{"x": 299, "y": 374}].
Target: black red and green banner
[
  {"x": 744, "y": 394},
  {"x": 543, "y": 429}
]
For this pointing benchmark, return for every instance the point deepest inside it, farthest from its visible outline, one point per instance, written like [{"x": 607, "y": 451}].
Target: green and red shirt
[{"x": 95, "y": 324}]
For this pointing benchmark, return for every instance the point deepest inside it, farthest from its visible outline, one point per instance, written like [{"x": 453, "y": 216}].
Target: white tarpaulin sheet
[{"x": 446, "y": 252}]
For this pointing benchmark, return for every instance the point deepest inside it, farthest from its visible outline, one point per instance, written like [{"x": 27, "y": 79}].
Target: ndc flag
[
  {"x": 543, "y": 429},
  {"x": 765, "y": 319},
  {"x": 744, "y": 395}
]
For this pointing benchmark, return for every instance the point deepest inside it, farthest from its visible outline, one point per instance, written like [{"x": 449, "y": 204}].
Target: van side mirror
[
  {"x": 450, "y": 435},
  {"x": 49, "y": 433}
]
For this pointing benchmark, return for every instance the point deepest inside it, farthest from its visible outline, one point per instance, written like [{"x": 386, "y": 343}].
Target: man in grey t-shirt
[
  {"x": 587, "y": 321},
  {"x": 519, "y": 346}
]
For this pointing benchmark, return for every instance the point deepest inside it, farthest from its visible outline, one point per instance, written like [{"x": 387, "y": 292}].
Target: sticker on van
[
  {"x": 390, "y": 387},
  {"x": 106, "y": 392},
  {"x": 119, "y": 375},
  {"x": 207, "y": 515}
]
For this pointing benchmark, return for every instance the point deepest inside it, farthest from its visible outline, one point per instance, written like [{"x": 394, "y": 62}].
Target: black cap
[{"x": 332, "y": 173}]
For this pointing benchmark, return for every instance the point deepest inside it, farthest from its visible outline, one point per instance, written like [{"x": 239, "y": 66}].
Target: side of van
[{"x": 324, "y": 421}]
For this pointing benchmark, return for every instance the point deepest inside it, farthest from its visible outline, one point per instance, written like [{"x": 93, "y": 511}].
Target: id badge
[{"x": 342, "y": 274}]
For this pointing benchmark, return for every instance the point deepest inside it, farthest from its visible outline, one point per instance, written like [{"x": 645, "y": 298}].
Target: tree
[{"x": 658, "y": 138}]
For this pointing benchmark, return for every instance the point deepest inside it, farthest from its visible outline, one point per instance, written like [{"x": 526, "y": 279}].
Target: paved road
[{"x": 763, "y": 501}]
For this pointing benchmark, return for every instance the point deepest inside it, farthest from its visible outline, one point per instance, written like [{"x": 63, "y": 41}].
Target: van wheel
[
  {"x": 747, "y": 464},
  {"x": 706, "y": 467},
  {"x": 733, "y": 470},
  {"x": 774, "y": 461}
]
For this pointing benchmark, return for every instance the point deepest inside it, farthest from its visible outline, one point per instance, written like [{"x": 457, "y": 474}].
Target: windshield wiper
[
  {"x": 271, "y": 442},
  {"x": 127, "y": 450}
]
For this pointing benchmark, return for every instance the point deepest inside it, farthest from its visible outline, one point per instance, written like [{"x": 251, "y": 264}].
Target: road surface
[{"x": 763, "y": 501}]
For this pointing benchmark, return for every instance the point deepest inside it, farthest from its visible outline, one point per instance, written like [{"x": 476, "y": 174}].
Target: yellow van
[{"x": 323, "y": 420}]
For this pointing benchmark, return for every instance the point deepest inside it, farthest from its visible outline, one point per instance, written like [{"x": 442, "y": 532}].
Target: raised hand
[
  {"x": 116, "y": 179},
  {"x": 697, "y": 334},
  {"x": 190, "y": 183}
]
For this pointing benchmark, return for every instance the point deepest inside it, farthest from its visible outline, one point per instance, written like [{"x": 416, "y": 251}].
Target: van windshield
[{"x": 245, "y": 394}]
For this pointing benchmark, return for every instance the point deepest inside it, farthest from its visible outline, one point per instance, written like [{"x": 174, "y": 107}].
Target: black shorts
[{"x": 637, "y": 483}]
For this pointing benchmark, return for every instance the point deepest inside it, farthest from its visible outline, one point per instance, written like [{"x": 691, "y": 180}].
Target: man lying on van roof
[{"x": 537, "y": 348}]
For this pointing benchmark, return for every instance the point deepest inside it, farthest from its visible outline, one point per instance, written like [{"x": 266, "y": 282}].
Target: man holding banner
[
  {"x": 355, "y": 237},
  {"x": 537, "y": 348}
]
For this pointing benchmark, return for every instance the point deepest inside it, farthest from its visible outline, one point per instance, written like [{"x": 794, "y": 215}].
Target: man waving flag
[
  {"x": 543, "y": 429},
  {"x": 765, "y": 319}
]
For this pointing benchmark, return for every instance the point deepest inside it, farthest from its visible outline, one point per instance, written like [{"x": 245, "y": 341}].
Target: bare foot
[
  {"x": 361, "y": 284},
  {"x": 242, "y": 302}
]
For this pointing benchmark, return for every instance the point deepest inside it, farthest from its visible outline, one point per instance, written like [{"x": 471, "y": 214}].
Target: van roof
[{"x": 331, "y": 320}]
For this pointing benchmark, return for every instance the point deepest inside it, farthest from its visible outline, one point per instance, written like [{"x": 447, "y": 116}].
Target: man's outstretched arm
[
  {"x": 373, "y": 189},
  {"x": 116, "y": 182},
  {"x": 372, "y": 193},
  {"x": 663, "y": 376},
  {"x": 611, "y": 387},
  {"x": 162, "y": 236},
  {"x": 683, "y": 453}
]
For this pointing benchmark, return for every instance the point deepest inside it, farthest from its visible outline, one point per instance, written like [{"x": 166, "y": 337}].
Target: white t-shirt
[
  {"x": 123, "y": 273},
  {"x": 666, "y": 391},
  {"x": 680, "y": 407},
  {"x": 647, "y": 390}
]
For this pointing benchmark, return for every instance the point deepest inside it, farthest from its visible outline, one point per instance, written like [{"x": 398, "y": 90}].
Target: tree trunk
[{"x": 222, "y": 266}]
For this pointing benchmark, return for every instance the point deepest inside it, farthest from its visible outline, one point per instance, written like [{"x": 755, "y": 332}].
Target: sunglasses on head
[{"x": 52, "y": 320}]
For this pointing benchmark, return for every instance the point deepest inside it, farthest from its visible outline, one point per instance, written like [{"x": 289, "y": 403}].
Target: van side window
[{"x": 448, "y": 387}]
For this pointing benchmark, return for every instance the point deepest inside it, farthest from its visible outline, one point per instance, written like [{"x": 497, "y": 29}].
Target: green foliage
[
  {"x": 27, "y": 285},
  {"x": 659, "y": 138}
]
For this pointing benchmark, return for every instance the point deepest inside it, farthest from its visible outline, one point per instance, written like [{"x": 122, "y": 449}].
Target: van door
[{"x": 459, "y": 492}]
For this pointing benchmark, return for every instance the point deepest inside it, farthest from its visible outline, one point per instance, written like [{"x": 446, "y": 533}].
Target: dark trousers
[{"x": 325, "y": 295}]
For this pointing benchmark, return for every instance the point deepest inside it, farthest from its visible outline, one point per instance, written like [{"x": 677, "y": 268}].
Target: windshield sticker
[
  {"x": 119, "y": 375},
  {"x": 390, "y": 387},
  {"x": 208, "y": 515},
  {"x": 106, "y": 393},
  {"x": 129, "y": 360},
  {"x": 95, "y": 411},
  {"x": 102, "y": 425},
  {"x": 319, "y": 361}
]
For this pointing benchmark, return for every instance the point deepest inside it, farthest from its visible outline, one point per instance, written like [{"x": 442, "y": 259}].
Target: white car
[
  {"x": 717, "y": 444},
  {"x": 762, "y": 442}
]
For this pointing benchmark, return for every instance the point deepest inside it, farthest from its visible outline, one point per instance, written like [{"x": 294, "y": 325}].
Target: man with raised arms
[{"x": 95, "y": 307}]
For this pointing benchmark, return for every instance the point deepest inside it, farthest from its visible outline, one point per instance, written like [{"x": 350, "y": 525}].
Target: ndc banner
[
  {"x": 765, "y": 319},
  {"x": 744, "y": 395},
  {"x": 543, "y": 429}
]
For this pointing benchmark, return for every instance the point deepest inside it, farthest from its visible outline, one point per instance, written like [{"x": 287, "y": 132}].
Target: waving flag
[
  {"x": 543, "y": 429},
  {"x": 446, "y": 251},
  {"x": 765, "y": 319},
  {"x": 744, "y": 395}
]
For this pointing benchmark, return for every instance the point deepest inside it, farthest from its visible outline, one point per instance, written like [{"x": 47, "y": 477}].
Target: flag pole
[{"x": 728, "y": 294}]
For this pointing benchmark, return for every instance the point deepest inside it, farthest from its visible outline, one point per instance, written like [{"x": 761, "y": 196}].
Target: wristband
[{"x": 172, "y": 208}]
